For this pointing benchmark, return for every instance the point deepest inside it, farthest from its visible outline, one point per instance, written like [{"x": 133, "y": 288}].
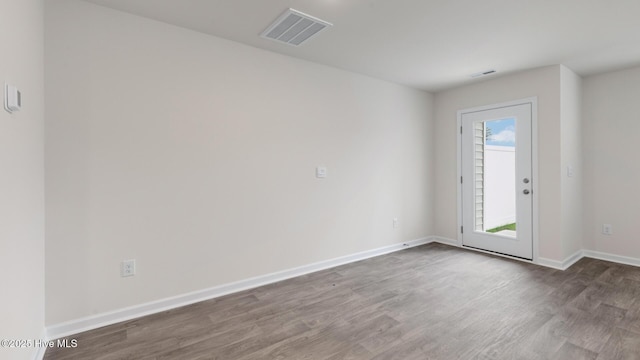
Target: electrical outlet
[
  {"x": 607, "y": 229},
  {"x": 321, "y": 172},
  {"x": 395, "y": 223},
  {"x": 128, "y": 268}
]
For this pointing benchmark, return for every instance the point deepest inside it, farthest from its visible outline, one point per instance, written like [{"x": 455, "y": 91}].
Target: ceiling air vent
[
  {"x": 294, "y": 28},
  {"x": 483, "y": 73}
]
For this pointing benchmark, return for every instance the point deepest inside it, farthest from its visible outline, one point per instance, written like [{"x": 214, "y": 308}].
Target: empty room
[{"x": 319, "y": 179}]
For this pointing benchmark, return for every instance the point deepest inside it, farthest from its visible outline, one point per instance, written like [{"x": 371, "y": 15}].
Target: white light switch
[
  {"x": 12, "y": 98},
  {"x": 570, "y": 171},
  {"x": 321, "y": 172}
]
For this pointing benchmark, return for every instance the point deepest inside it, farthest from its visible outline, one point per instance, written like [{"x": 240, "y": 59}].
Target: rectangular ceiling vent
[
  {"x": 482, "y": 73},
  {"x": 294, "y": 28}
]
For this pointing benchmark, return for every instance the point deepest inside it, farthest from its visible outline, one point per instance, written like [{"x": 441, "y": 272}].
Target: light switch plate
[
  {"x": 12, "y": 98},
  {"x": 570, "y": 171}
]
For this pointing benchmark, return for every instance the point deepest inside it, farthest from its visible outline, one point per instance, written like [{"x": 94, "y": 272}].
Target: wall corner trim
[
  {"x": 76, "y": 326},
  {"x": 445, "y": 241},
  {"x": 561, "y": 265},
  {"x": 40, "y": 353},
  {"x": 566, "y": 263},
  {"x": 41, "y": 350}
]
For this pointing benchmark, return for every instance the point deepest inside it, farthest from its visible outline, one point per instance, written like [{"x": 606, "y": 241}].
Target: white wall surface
[
  {"x": 611, "y": 134},
  {"x": 543, "y": 83},
  {"x": 22, "y": 178},
  {"x": 196, "y": 156},
  {"x": 499, "y": 186},
  {"x": 571, "y": 153}
]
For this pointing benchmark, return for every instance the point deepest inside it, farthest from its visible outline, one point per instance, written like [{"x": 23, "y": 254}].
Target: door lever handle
[{"x": 526, "y": 191}]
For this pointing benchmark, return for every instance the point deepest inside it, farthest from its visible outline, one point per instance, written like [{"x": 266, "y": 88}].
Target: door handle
[{"x": 526, "y": 191}]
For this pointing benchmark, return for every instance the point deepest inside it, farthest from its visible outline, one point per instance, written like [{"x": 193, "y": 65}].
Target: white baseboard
[
  {"x": 95, "y": 321},
  {"x": 555, "y": 264},
  {"x": 550, "y": 263},
  {"x": 573, "y": 259},
  {"x": 445, "y": 241},
  {"x": 39, "y": 353},
  {"x": 611, "y": 257},
  {"x": 561, "y": 265}
]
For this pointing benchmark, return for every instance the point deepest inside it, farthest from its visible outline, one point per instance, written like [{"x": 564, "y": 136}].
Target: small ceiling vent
[
  {"x": 483, "y": 73},
  {"x": 294, "y": 28}
]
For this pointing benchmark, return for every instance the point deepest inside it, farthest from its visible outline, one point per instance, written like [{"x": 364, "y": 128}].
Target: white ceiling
[{"x": 426, "y": 44}]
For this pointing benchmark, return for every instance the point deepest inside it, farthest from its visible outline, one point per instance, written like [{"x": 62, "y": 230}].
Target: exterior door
[{"x": 496, "y": 183}]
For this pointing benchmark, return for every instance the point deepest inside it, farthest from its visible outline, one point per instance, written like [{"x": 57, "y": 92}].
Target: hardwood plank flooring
[{"x": 428, "y": 302}]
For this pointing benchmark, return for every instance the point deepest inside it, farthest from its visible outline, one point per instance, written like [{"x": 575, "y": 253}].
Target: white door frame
[{"x": 534, "y": 165}]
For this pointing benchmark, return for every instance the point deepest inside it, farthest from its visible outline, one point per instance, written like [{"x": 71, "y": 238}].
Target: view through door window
[{"x": 495, "y": 176}]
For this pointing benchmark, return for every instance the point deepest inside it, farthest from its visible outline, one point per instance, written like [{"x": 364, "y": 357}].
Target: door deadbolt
[{"x": 525, "y": 180}]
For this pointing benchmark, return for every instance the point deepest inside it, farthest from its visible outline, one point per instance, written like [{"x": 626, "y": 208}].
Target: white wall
[
  {"x": 571, "y": 159},
  {"x": 543, "y": 83},
  {"x": 499, "y": 186},
  {"x": 22, "y": 179},
  {"x": 611, "y": 133},
  {"x": 196, "y": 156}
]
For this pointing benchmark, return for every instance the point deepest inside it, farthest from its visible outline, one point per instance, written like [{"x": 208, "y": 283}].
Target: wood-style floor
[{"x": 429, "y": 302}]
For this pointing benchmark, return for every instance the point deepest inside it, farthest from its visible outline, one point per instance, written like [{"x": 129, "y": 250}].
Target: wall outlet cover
[{"x": 128, "y": 268}]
